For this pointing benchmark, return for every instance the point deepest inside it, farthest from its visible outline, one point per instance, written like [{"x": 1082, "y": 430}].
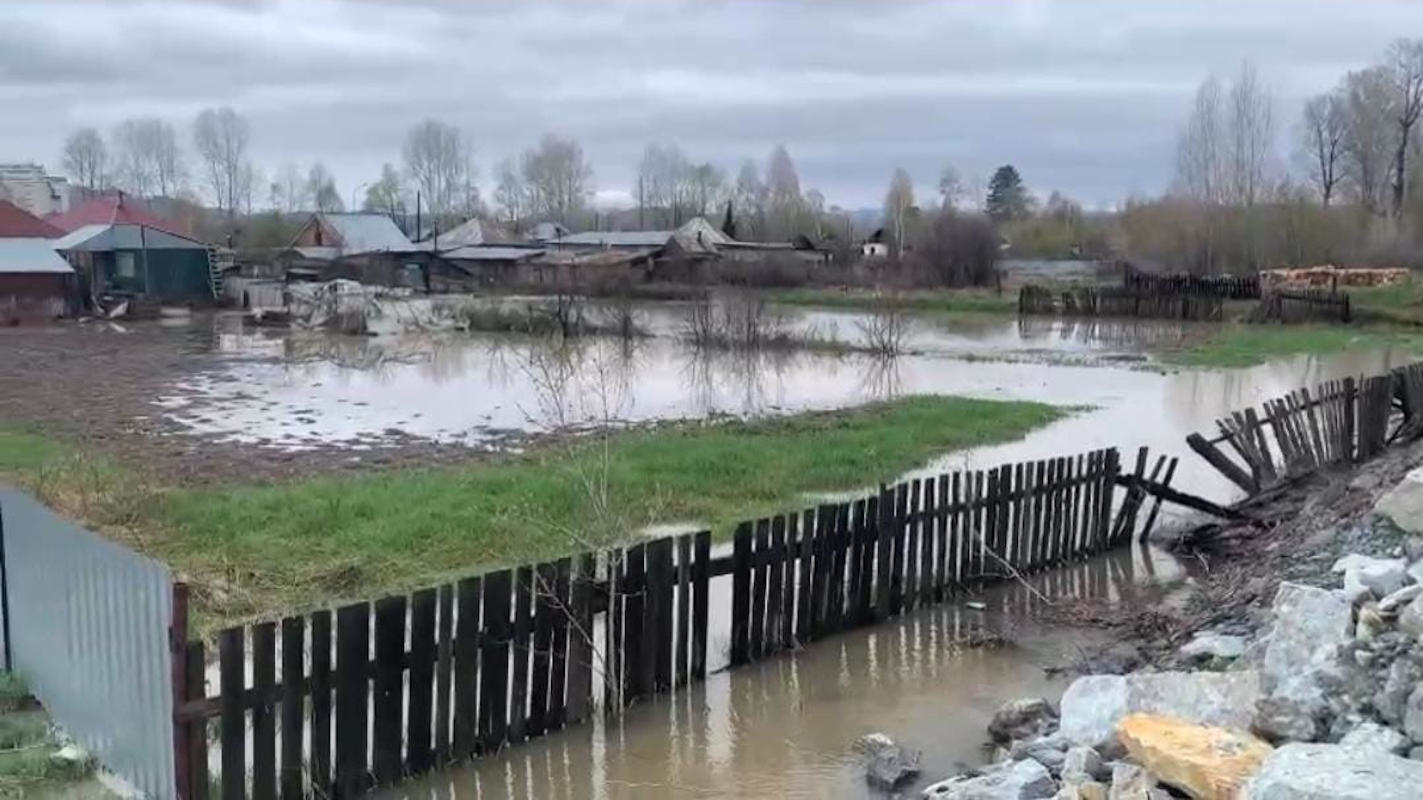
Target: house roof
[
  {"x": 367, "y": 233},
  {"x": 15, "y": 222},
  {"x": 25, "y": 255},
  {"x": 614, "y": 239},
  {"x": 101, "y": 237},
  {"x": 466, "y": 234},
  {"x": 494, "y": 253},
  {"x": 110, "y": 209}
]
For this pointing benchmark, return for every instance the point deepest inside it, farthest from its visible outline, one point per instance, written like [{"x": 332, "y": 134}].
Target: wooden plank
[
  {"x": 775, "y": 586},
  {"x": 805, "y": 563},
  {"x": 494, "y": 660},
  {"x": 558, "y": 671},
  {"x": 635, "y": 679},
  {"x": 1349, "y": 402},
  {"x": 953, "y": 580},
  {"x": 580, "y": 640},
  {"x": 388, "y": 688},
  {"x": 293, "y": 705},
  {"x": 1156, "y": 507},
  {"x": 911, "y": 544},
  {"x": 818, "y": 570},
  {"x": 194, "y": 678},
  {"x": 1024, "y": 544},
  {"x": 839, "y": 542},
  {"x": 322, "y": 781},
  {"x": 232, "y": 725},
  {"x": 701, "y": 602},
  {"x": 855, "y": 563},
  {"x": 864, "y": 593},
  {"x": 468, "y": 724},
  {"x": 444, "y": 668},
  {"x": 614, "y": 672},
  {"x": 1048, "y": 514},
  {"x": 759, "y": 568},
  {"x": 419, "y": 752},
  {"x": 788, "y": 587},
  {"x": 680, "y": 660},
  {"x": 898, "y": 532},
  {"x": 264, "y": 729},
  {"x": 1090, "y": 503},
  {"x": 741, "y": 595},
  {"x": 353, "y": 631},
  {"x": 659, "y": 638},
  {"x": 1109, "y": 487},
  {"x": 926, "y": 542},
  {"x": 884, "y": 555},
  {"x": 521, "y": 650},
  {"x": 1074, "y": 533},
  {"x": 942, "y": 556},
  {"x": 544, "y": 612}
]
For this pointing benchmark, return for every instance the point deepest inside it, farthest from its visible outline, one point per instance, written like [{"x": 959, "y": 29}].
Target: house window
[{"x": 124, "y": 265}]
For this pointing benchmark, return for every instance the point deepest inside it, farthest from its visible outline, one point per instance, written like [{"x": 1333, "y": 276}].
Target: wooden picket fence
[
  {"x": 1343, "y": 421},
  {"x": 1229, "y": 287},
  {"x": 1305, "y": 305},
  {"x": 365, "y": 695}
]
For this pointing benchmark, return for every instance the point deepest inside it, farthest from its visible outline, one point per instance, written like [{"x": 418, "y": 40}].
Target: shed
[
  {"x": 35, "y": 282},
  {"x": 139, "y": 261}
]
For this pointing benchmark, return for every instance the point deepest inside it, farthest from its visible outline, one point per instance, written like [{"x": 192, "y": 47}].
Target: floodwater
[
  {"x": 784, "y": 727},
  {"x": 293, "y": 389}
]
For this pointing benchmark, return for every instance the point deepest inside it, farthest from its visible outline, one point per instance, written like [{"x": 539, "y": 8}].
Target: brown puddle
[{"x": 784, "y": 727}]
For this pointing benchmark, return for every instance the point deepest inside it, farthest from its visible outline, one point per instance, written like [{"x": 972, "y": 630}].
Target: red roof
[
  {"x": 15, "y": 222},
  {"x": 113, "y": 209}
]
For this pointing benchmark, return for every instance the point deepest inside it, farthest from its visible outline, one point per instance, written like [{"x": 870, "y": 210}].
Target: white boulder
[
  {"x": 1333, "y": 772},
  {"x": 1012, "y": 780},
  {"x": 1092, "y": 705}
]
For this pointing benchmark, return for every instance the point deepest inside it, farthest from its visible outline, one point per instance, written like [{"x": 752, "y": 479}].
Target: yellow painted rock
[{"x": 1206, "y": 762}]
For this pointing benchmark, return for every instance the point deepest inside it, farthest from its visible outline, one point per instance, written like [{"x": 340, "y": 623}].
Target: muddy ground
[
  {"x": 1297, "y": 533},
  {"x": 91, "y": 384}
]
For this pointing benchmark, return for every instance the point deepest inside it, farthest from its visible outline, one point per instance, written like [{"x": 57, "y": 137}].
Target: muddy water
[
  {"x": 783, "y": 727},
  {"x": 293, "y": 390}
]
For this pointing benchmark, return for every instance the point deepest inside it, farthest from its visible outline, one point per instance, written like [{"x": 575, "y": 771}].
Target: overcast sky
[{"x": 1081, "y": 96}]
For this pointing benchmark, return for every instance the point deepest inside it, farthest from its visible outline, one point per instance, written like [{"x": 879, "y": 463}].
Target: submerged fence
[
  {"x": 1343, "y": 421},
  {"x": 1113, "y": 301},
  {"x": 1227, "y": 287},
  {"x": 372, "y": 692},
  {"x": 1305, "y": 305},
  {"x": 87, "y": 622}
]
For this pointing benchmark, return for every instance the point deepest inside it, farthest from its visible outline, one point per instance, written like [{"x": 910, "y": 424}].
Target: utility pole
[{"x": 640, "y": 224}]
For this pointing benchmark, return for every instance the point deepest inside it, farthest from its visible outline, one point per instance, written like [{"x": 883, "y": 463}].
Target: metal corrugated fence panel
[{"x": 89, "y": 633}]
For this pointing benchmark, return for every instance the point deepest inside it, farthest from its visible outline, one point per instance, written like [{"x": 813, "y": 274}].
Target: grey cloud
[{"x": 1082, "y": 96}]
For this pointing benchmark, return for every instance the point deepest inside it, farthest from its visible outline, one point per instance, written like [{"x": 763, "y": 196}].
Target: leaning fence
[
  {"x": 1339, "y": 422},
  {"x": 1305, "y": 305},
  {"x": 88, "y": 623},
  {"x": 342, "y": 700}
]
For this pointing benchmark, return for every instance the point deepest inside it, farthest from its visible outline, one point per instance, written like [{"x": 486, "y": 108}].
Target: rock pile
[{"x": 1327, "y": 702}]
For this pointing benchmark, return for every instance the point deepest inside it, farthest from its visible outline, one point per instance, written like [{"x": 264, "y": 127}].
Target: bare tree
[
  {"x": 289, "y": 193},
  {"x": 951, "y": 187},
  {"x": 664, "y": 180},
  {"x": 133, "y": 163},
  {"x": 556, "y": 178},
  {"x": 1250, "y": 137},
  {"x": 86, "y": 158},
  {"x": 437, "y": 158},
  {"x": 321, "y": 188},
  {"x": 750, "y": 196},
  {"x": 708, "y": 187},
  {"x": 220, "y": 137},
  {"x": 1198, "y": 152},
  {"x": 386, "y": 195},
  {"x": 1406, "y": 68},
  {"x": 509, "y": 191},
  {"x": 148, "y": 158},
  {"x": 1368, "y": 143},
  {"x": 784, "y": 205},
  {"x": 897, "y": 202},
  {"x": 1322, "y": 131}
]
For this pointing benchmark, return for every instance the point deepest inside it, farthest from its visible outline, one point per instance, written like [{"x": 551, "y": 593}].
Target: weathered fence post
[{"x": 178, "y": 666}]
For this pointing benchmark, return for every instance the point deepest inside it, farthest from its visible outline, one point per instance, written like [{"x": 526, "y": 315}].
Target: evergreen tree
[
  {"x": 728, "y": 223},
  {"x": 1007, "y": 199}
]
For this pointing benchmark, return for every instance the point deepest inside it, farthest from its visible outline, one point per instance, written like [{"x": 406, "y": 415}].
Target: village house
[
  {"x": 36, "y": 283},
  {"x": 119, "y": 248},
  {"x": 365, "y": 247}
]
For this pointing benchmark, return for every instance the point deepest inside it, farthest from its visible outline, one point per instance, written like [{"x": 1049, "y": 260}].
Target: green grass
[
  {"x": 258, "y": 550},
  {"x": 27, "y": 746},
  {"x": 1241, "y": 345},
  {"x": 25, "y": 451},
  {"x": 956, "y": 300}
]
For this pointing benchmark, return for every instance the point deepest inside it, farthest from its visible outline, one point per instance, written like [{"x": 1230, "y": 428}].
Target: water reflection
[{"x": 782, "y": 728}]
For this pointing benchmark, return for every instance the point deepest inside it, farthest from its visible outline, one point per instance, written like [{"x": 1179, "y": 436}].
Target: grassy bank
[
  {"x": 31, "y": 761},
  {"x": 1242, "y": 345},
  {"x": 961, "y": 300},
  {"x": 252, "y": 550}
]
